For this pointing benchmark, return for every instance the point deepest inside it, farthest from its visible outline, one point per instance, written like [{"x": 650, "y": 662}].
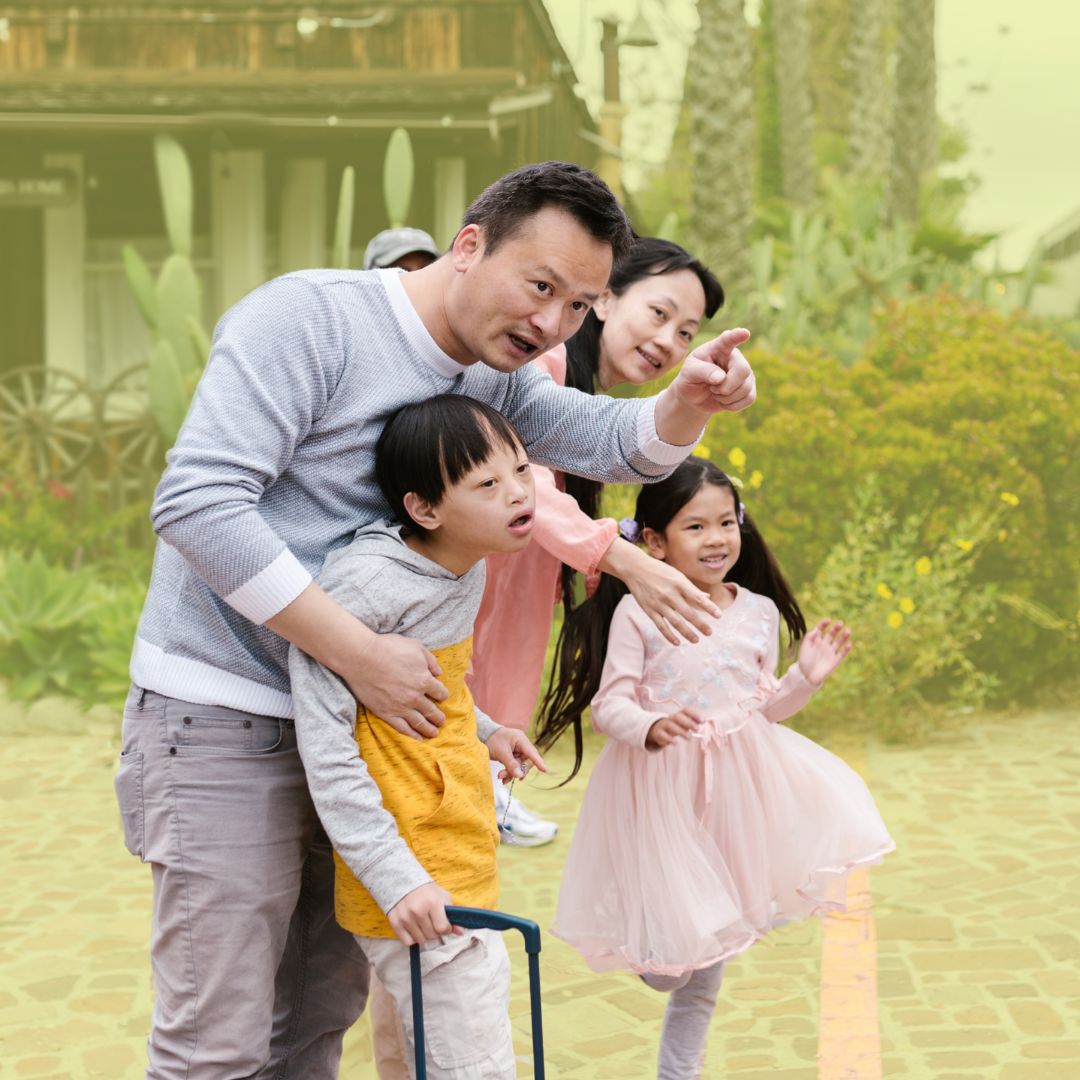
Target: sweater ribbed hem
[{"x": 191, "y": 680}]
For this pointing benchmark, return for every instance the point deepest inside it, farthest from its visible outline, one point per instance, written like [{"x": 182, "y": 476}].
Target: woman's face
[{"x": 648, "y": 329}]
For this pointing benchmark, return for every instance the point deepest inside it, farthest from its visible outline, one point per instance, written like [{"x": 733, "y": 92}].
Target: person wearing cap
[
  {"x": 272, "y": 470},
  {"x": 409, "y": 249}
]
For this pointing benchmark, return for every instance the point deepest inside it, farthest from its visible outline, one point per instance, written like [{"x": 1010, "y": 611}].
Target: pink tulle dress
[{"x": 685, "y": 856}]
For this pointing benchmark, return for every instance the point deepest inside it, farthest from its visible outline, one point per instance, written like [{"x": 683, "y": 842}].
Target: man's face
[{"x": 529, "y": 295}]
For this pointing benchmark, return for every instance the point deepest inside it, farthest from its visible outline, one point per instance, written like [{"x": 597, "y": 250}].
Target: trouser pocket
[{"x": 128, "y": 783}]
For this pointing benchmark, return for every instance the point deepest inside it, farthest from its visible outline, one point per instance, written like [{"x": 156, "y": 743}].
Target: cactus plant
[{"x": 171, "y": 304}]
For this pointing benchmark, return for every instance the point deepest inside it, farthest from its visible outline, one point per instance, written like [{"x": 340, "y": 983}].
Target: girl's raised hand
[
  {"x": 823, "y": 649},
  {"x": 668, "y": 729}
]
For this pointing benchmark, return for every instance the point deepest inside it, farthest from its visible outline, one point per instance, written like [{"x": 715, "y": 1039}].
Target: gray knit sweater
[{"x": 274, "y": 468}]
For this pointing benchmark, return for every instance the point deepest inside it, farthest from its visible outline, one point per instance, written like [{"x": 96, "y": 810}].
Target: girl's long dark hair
[{"x": 582, "y": 644}]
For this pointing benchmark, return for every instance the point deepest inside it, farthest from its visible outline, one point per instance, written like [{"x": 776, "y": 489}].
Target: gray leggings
[{"x": 686, "y": 1020}]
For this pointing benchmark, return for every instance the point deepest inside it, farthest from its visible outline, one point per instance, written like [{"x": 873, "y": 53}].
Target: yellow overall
[{"x": 439, "y": 792}]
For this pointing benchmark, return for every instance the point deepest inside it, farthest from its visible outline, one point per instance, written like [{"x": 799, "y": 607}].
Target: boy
[{"x": 457, "y": 477}]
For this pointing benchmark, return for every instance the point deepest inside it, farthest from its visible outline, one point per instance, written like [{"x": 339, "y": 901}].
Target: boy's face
[
  {"x": 508, "y": 306},
  {"x": 490, "y": 509}
]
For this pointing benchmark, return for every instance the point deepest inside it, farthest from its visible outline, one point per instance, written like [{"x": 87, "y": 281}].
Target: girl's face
[
  {"x": 702, "y": 539},
  {"x": 489, "y": 510},
  {"x": 648, "y": 329}
]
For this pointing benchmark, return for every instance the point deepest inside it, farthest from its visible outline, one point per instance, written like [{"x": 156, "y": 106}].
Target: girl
[
  {"x": 705, "y": 823},
  {"x": 640, "y": 328}
]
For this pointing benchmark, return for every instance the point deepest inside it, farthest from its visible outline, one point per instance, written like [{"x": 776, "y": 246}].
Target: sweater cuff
[
  {"x": 393, "y": 877},
  {"x": 653, "y": 447},
  {"x": 271, "y": 589}
]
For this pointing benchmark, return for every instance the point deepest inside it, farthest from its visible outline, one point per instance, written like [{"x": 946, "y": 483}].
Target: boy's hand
[
  {"x": 513, "y": 750},
  {"x": 420, "y": 915},
  {"x": 668, "y": 729},
  {"x": 823, "y": 649}
]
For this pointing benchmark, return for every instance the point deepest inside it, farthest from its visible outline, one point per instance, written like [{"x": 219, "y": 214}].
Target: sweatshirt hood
[{"x": 383, "y": 539}]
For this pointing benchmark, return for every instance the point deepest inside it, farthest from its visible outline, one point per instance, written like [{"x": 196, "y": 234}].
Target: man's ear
[
  {"x": 421, "y": 511},
  {"x": 603, "y": 304},
  {"x": 654, "y": 541},
  {"x": 468, "y": 246}
]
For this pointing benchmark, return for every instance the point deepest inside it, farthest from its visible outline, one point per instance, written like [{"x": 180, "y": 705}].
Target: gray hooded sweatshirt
[{"x": 393, "y": 590}]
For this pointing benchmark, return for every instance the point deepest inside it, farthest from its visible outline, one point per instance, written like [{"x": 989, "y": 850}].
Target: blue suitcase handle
[{"x": 481, "y": 919}]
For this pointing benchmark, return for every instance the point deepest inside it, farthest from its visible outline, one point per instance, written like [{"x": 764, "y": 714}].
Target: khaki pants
[{"x": 466, "y": 1001}]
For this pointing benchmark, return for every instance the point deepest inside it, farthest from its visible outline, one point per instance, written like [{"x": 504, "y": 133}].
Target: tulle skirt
[{"x": 688, "y": 855}]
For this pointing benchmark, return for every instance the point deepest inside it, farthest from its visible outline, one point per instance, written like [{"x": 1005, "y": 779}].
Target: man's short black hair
[
  {"x": 502, "y": 207},
  {"x": 429, "y": 446}
]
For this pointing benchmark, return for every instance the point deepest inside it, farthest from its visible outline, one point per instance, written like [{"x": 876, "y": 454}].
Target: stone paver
[{"x": 977, "y": 919}]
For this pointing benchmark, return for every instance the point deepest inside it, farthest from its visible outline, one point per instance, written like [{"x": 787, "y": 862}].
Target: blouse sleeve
[
  {"x": 781, "y": 698},
  {"x": 616, "y": 710},
  {"x": 564, "y": 530}
]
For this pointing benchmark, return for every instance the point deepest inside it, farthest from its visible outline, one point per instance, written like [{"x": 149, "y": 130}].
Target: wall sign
[{"x": 42, "y": 187}]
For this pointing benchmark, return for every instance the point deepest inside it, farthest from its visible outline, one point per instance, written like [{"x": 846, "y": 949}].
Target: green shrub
[
  {"x": 953, "y": 406},
  {"x": 915, "y": 613}
]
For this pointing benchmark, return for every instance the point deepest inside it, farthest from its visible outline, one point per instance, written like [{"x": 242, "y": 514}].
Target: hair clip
[
  {"x": 629, "y": 529},
  {"x": 741, "y": 515}
]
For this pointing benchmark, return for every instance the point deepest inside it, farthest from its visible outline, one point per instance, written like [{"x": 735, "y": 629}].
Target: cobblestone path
[{"x": 977, "y": 919}]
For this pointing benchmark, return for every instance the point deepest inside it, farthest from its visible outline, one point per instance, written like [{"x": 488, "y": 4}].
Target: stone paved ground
[{"x": 977, "y": 918}]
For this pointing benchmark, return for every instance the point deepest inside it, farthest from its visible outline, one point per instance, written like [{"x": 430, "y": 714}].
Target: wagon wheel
[
  {"x": 48, "y": 419},
  {"x": 131, "y": 442}
]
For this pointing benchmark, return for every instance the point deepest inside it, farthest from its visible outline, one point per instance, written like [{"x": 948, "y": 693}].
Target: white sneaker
[{"x": 519, "y": 826}]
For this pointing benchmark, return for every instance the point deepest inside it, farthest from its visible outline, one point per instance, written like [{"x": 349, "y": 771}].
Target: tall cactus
[
  {"x": 791, "y": 34},
  {"x": 171, "y": 304},
  {"x": 868, "y": 69},
  {"x": 719, "y": 92},
  {"x": 914, "y": 127}
]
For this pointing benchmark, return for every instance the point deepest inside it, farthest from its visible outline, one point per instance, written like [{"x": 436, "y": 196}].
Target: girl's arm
[
  {"x": 616, "y": 710},
  {"x": 781, "y": 698}
]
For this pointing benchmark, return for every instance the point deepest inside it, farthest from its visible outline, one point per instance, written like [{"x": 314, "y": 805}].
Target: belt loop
[{"x": 142, "y": 697}]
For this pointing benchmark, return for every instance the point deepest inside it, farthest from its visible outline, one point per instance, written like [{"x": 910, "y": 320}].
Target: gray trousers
[{"x": 253, "y": 976}]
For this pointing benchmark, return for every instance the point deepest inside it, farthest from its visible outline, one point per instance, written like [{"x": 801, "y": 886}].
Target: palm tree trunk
[
  {"x": 791, "y": 34},
  {"x": 868, "y": 67},
  {"x": 914, "y": 125},
  {"x": 719, "y": 86}
]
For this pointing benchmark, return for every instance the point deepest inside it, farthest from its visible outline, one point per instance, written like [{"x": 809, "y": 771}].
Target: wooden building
[{"x": 271, "y": 101}]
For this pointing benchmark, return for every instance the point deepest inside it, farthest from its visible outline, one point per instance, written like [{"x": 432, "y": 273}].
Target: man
[
  {"x": 273, "y": 469},
  {"x": 409, "y": 249}
]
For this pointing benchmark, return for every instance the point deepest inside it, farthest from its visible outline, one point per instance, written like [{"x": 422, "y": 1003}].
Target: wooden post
[
  {"x": 65, "y": 275},
  {"x": 450, "y": 198},
  {"x": 302, "y": 224},
  {"x": 238, "y": 202}
]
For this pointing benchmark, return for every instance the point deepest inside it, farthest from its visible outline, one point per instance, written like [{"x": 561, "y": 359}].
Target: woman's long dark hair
[
  {"x": 649, "y": 257},
  {"x": 582, "y": 644}
]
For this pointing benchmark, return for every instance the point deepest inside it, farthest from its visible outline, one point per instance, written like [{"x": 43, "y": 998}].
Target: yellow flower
[
  {"x": 884, "y": 591},
  {"x": 895, "y": 620},
  {"x": 1003, "y": 535},
  {"x": 737, "y": 457},
  {"x": 964, "y": 545},
  {"x": 736, "y": 481},
  {"x": 1010, "y": 498},
  {"x": 907, "y": 605},
  {"x": 701, "y": 450},
  {"x": 923, "y": 566},
  {"x": 756, "y": 478}
]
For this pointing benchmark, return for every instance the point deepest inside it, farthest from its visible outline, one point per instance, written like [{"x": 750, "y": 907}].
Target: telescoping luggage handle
[{"x": 480, "y": 919}]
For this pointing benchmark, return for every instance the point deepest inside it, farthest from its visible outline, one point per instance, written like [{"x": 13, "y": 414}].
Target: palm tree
[
  {"x": 868, "y": 68},
  {"x": 719, "y": 93},
  {"x": 791, "y": 36},
  {"x": 914, "y": 127}
]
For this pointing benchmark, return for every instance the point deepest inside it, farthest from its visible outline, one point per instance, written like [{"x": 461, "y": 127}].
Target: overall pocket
[{"x": 128, "y": 783}]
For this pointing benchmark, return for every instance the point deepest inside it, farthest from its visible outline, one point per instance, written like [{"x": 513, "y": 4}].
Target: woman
[{"x": 639, "y": 329}]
